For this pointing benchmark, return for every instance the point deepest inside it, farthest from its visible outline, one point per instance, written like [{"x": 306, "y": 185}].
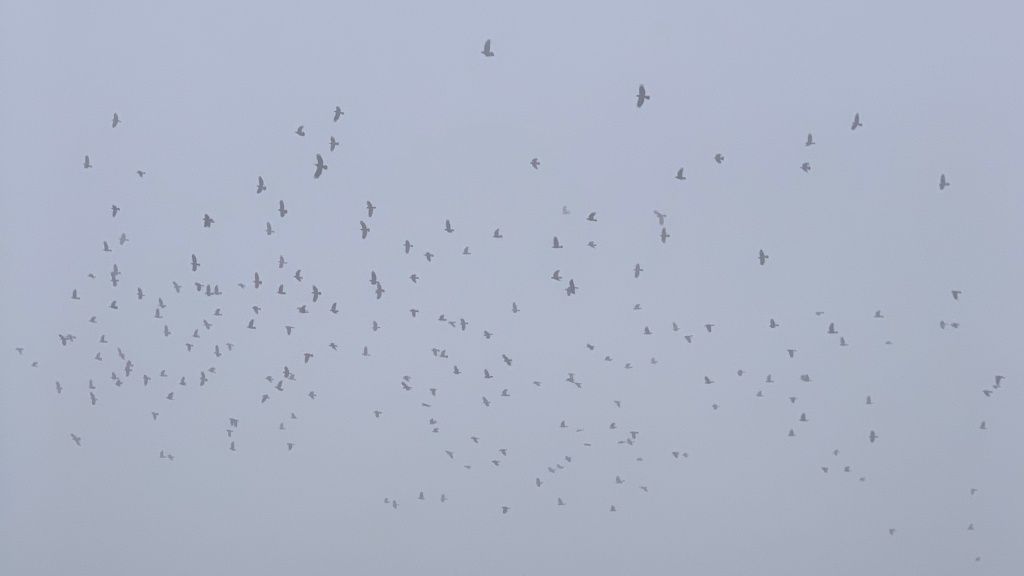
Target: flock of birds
[{"x": 100, "y": 299}]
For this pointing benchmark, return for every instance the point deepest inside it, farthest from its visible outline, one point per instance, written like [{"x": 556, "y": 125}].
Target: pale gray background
[{"x": 210, "y": 96}]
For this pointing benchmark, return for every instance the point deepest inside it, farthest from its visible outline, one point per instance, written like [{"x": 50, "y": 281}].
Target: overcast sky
[{"x": 710, "y": 480}]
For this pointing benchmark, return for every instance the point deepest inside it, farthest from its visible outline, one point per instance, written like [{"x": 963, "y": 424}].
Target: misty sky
[{"x": 704, "y": 478}]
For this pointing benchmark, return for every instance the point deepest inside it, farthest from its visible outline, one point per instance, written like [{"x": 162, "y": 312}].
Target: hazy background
[{"x": 210, "y": 97}]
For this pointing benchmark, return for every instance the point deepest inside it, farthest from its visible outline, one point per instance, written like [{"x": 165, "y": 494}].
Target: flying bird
[
  {"x": 679, "y": 175},
  {"x": 260, "y": 186},
  {"x": 942, "y": 181},
  {"x": 719, "y": 158},
  {"x": 369, "y": 209},
  {"x": 487, "y": 49},
  {"x": 338, "y": 113},
  {"x": 806, "y": 167},
  {"x": 300, "y": 131},
  {"x": 320, "y": 166},
  {"x": 810, "y": 140},
  {"x": 364, "y": 229},
  {"x": 195, "y": 263},
  {"x": 762, "y": 257},
  {"x": 535, "y": 163},
  {"x": 207, "y": 221},
  {"x": 115, "y": 121},
  {"x": 86, "y": 164},
  {"x": 856, "y": 122},
  {"x": 642, "y": 96},
  {"x": 281, "y": 209}
]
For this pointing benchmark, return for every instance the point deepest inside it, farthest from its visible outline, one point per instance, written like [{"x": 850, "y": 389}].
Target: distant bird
[
  {"x": 408, "y": 246},
  {"x": 661, "y": 217},
  {"x": 719, "y": 158},
  {"x": 114, "y": 210},
  {"x": 679, "y": 175},
  {"x": 642, "y": 96},
  {"x": 369, "y": 209},
  {"x": 333, "y": 143},
  {"x": 207, "y": 221},
  {"x": 497, "y": 233},
  {"x": 270, "y": 228},
  {"x": 856, "y": 122},
  {"x": 115, "y": 121},
  {"x": 140, "y": 173},
  {"x": 195, "y": 263},
  {"x": 555, "y": 243},
  {"x": 364, "y": 229},
  {"x": 571, "y": 289},
  {"x": 592, "y": 217},
  {"x": 260, "y": 186},
  {"x": 487, "y": 49},
  {"x": 942, "y": 181},
  {"x": 872, "y": 436},
  {"x": 281, "y": 209},
  {"x": 301, "y": 131},
  {"x": 448, "y": 226},
  {"x": 810, "y": 140},
  {"x": 535, "y": 163},
  {"x": 320, "y": 166},
  {"x": 956, "y": 294},
  {"x": 86, "y": 164},
  {"x": 556, "y": 276},
  {"x": 664, "y": 235},
  {"x": 637, "y": 270},
  {"x": 806, "y": 166},
  {"x": 762, "y": 257},
  {"x": 338, "y": 113},
  {"x": 78, "y": 439}
]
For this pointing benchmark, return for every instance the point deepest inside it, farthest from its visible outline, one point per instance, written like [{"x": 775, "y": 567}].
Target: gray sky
[{"x": 210, "y": 97}]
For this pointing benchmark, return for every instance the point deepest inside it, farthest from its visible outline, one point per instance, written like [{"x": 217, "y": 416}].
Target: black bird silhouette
[
  {"x": 338, "y": 113},
  {"x": 86, "y": 163},
  {"x": 195, "y": 263},
  {"x": 320, "y": 166},
  {"x": 115, "y": 121},
  {"x": 260, "y": 186},
  {"x": 487, "y": 49},
  {"x": 364, "y": 229},
  {"x": 642, "y": 96},
  {"x": 856, "y": 122},
  {"x": 207, "y": 221}
]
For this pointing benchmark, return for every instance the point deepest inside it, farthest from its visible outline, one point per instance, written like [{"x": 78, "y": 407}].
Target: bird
[
  {"x": 74, "y": 437},
  {"x": 487, "y": 49},
  {"x": 270, "y": 228},
  {"x": 333, "y": 143},
  {"x": 207, "y": 221},
  {"x": 942, "y": 181},
  {"x": 114, "y": 209},
  {"x": 661, "y": 217},
  {"x": 810, "y": 140},
  {"x": 637, "y": 270},
  {"x": 956, "y": 294},
  {"x": 369, "y": 209},
  {"x": 806, "y": 166},
  {"x": 301, "y": 131},
  {"x": 555, "y": 243},
  {"x": 592, "y": 217},
  {"x": 762, "y": 257},
  {"x": 856, "y": 122},
  {"x": 571, "y": 289},
  {"x": 364, "y": 229},
  {"x": 719, "y": 158},
  {"x": 448, "y": 226},
  {"x": 556, "y": 276},
  {"x": 664, "y": 235},
  {"x": 679, "y": 175},
  {"x": 86, "y": 164},
  {"x": 281, "y": 209},
  {"x": 195, "y": 263},
  {"x": 320, "y": 166},
  {"x": 115, "y": 121},
  {"x": 338, "y": 113},
  {"x": 535, "y": 163},
  {"x": 872, "y": 436},
  {"x": 140, "y": 173},
  {"x": 642, "y": 96},
  {"x": 260, "y": 186}
]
